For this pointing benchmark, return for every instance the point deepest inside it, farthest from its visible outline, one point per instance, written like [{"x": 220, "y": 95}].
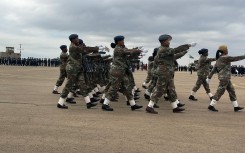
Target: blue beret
[
  {"x": 63, "y": 47},
  {"x": 80, "y": 41},
  {"x": 203, "y": 51},
  {"x": 164, "y": 37},
  {"x": 73, "y": 36},
  {"x": 118, "y": 38}
]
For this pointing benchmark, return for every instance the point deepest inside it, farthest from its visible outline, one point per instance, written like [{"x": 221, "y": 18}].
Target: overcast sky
[{"x": 43, "y": 25}]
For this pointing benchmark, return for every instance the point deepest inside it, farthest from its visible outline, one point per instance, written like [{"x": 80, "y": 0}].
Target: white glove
[
  {"x": 144, "y": 50},
  {"x": 101, "y": 47},
  {"x": 208, "y": 80},
  {"x": 193, "y": 44}
]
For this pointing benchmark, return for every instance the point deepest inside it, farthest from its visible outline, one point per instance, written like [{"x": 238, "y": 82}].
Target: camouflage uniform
[
  {"x": 149, "y": 75},
  {"x": 202, "y": 73},
  {"x": 223, "y": 68},
  {"x": 74, "y": 70},
  {"x": 63, "y": 59},
  {"x": 165, "y": 72},
  {"x": 119, "y": 72}
]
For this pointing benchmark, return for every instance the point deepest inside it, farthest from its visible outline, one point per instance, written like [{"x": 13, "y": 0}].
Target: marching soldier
[
  {"x": 75, "y": 72},
  {"x": 223, "y": 68},
  {"x": 63, "y": 59},
  {"x": 118, "y": 77},
  {"x": 166, "y": 67},
  {"x": 203, "y": 70}
]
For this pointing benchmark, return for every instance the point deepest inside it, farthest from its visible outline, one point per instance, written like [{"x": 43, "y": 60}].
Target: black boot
[
  {"x": 71, "y": 100},
  {"x": 180, "y": 105},
  {"x": 147, "y": 96},
  {"x": 62, "y": 106},
  {"x": 155, "y": 106},
  {"x": 236, "y": 109},
  {"x": 136, "y": 97},
  {"x": 150, "y": 110},
  {"x": 127, "y": 103},
  {"x": 135, "y": 107},
  {"x": 192, "y": 98},
  {"x": 75, "y": 95},
  {"x": 94, "y": 99},
  {"x": 212, "y": 108},
  {"x": 106, "y": 108},
  {"x": 95, "y": 95},
  {"x": 99, "y": 93},
  {"x": 138, "y": 90},
  {"x": 144, "y": 86},
  {"x": 178, "y": 110},
  {"x": 55, "y": 92},
  {"x": 102, "y": 101},
  {"x": 166, "y": 98},
  {"x": 136, "y": 94},
  {"x": 89, "y": 105}
]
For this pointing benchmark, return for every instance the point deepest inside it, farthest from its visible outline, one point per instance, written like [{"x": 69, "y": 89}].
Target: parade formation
[{"x": 92, "y": 73}]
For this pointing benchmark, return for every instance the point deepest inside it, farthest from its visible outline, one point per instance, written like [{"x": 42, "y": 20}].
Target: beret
[
  {"x": 118, "y": 38},
  {"x": 73, "y": 36},
  {"x": 164, "y": 37},
  {"x": 80, "y": 41},
  {"x": 203, "y": 51},
  {"x": 63, "y": 47}
]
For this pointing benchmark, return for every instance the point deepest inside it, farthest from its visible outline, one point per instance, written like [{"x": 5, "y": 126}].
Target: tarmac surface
[{"x": 31, "y": 123}]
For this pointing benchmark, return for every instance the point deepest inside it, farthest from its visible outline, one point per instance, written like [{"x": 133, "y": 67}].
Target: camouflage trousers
[
  {"x": 201, "y": 80},
  {"x": 131, "y": 79},
  {"x": 225, "y": 84},
  {"x": 75, "y": 76},
  {"x": 152, "y": 84},
  {"x": 118, "y": 79},
  {"x": 148, "y": 78},
  {"x": 62, "y": 77},
  {"x": 164, "y": 84}
]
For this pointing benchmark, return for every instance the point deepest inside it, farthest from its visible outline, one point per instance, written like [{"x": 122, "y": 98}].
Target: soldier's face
[
  {"x": 167, "y": 42},
  {"x": 120, "y": 43},
  {"x": 64, "y": 50},
  {"x": 76, "y": 41}
]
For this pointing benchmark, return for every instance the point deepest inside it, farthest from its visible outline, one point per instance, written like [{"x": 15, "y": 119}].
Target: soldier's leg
[
  {"x": 71, "y": 78},
  {"x": 161, "y": 87},
  {"x": 60, "y": 81},
  {"x": 223, "y": 83},
  {"x": 113, "y": 87},
  {"x": 207, "y": 89},
  {"x": 84, "y": 89},
  {"x": 231, "y": 90},
  {"x": 195, "y": 88}
]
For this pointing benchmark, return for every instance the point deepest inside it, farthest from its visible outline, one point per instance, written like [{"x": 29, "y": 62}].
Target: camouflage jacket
[
  {"x": 76, "y": 52},
  {"x": 223, "y": 66},
  {"x": 120, "y": 59},
  {"x": 166, "y": 58},
  {"x": 63, "y": 59},
  {"x": 150, "y": 66},
  {"x": 203, "y": 65}
]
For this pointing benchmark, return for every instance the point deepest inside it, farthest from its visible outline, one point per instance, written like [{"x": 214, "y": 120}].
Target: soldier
[
  {"x": 63, "y": 59},
  {"x": 74, "y": 72},
  {"x": 118, "y": 77},
  {"x": 223, "y": 68},
  {"x": 149, "y": 68},
  {"x": 203, "y": 70},
  {"x": 166, "y": 67}
]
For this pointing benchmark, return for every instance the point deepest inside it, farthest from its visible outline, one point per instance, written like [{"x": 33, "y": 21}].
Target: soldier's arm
[
  {"x": 214, "y": 70},
  {"x": 90, "y": 49},
  {"x": 234, "y": 58},
  {"x": 181, "y": 48},
  {"x": 179, "y": 55},
  {"x": 131, "y": 51},
  {"x": 211, "y": 59}
]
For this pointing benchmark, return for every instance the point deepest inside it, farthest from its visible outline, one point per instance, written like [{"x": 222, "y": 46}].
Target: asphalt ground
[{"x": 30, "y": 122}]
